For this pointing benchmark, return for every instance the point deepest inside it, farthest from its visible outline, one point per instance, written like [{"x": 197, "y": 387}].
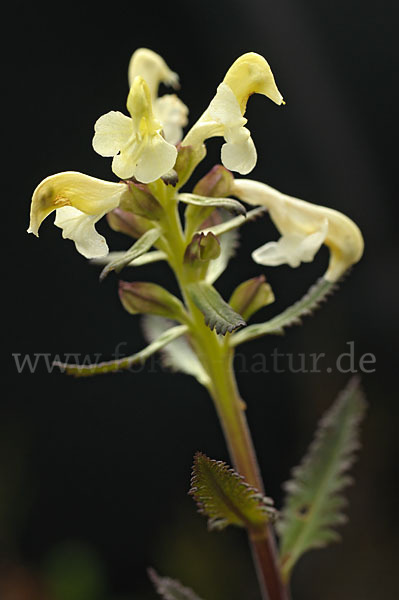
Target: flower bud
[
  {"x": 250, "y": 296},
  {"x": 126, "y": 222},
  {"x": 218, "y": 183},
  {"x": 187, "y": 159},
  {"x": 150, "y": 298},
  {"x": 202, "y": 248},
  {"x": 141, "y": 202}
]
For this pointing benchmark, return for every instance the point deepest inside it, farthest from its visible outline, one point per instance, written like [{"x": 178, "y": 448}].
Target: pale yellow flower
[
  {"x": 79, "y": 201},
  {"x": 304, "y": 227},
  {"x": 168, "y": 109},
  {"x": 249, "y": 74},
  {"x": 136, "y": 143},
  {"x": 153, "y": 69}
]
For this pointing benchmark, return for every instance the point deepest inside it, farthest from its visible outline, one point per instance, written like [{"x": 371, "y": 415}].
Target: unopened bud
[
  {"x": 218, "y": 183},
  {"x": 126, "y": 222},
  {"x": 141, "y": 202},
  {"x": 202, "y": 248},
  {"x": 250, "y": 296},
  {"x": 150, "y": 298},
  {"x": 187, "y": 159}
]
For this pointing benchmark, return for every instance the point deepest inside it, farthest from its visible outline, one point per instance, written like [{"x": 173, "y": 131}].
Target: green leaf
[
  {"x": 218, "y": 314},
  {"x": 142, "y": 245},
  {"x": 178, "y": 355},
  {"x": 291, "y": 316},
  {"x": 225, "y": 498},
  {"x": 251, "y": 295},
  {"x": 314, "y": 502},
  {"x": 144, "y": 259},
  {"x": 229, "y": 204},
  {"x": 121, "y": 364},
  {"x": 170, "y": 589}
]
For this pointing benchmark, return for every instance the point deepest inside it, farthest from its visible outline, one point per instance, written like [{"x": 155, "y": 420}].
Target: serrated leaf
[
  {"x": 225, "y": 498},
  {"x": 171, "y": 589},
  {"x": 120, "y": 364},
  {"x": 290, "y": 316},
  {"x": 217, "y": 313},
  {"x": 313, "y": 506},
  {"x": 142, "y": 245},
  {"x": 229, "y": 204},
  {"x": 178, "y": 355}
]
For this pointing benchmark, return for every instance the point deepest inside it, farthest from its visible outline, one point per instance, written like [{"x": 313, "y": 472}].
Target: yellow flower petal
[
  {"x": 294, "y": 217},
  {"x": 156, "y": 159},
  {"x": 112, "y": 131},
  {"x": 172, "y": 113},
  {"x": 135, "y": 140},
  {"x": 80, "y": 228},
  {"x": 70, "y": 188},
  {"x": 249, "y": 74},
  {"x": 153, "y": 69}
]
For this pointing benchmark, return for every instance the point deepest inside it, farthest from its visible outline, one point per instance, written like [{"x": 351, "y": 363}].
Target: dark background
[{"x": 94, "y": 473}]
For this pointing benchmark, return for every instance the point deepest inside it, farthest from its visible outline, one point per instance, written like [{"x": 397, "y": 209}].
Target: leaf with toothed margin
[
  {"x": 217, "y": 313},
  {"x": 120, "y": 364},
  {"x": 171, "y": 589},
  {"x": 314, "y": 502},
  {"x": 208, "y": 202},
  {"x": 225, "y": 498},
  {"x": 139, "y": 248},
  {"x": 291, "y": 316}
]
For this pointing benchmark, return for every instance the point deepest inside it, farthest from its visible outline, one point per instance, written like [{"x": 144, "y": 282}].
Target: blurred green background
[{"x": 94, "y": 473}]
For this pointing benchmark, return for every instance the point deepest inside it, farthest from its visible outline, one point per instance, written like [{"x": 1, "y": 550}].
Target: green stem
[
  {"x": 230, "y": 409},
  {"x": 217, "y": 358}
]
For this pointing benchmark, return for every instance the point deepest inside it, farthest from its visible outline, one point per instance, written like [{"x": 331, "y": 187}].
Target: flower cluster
[{"x": 145, "y": 147}]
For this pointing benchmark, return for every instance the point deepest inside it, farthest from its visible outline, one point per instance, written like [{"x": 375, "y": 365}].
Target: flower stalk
[
  {"x": 216, "y": 357},
  {"x": 154, "y": 161}
]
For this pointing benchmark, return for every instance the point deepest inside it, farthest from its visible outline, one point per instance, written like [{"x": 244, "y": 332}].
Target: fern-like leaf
[
  {"x": 225, "y": 498},
  {"x": 314, "y": 503},
  {"x": 292, "y": 315}
]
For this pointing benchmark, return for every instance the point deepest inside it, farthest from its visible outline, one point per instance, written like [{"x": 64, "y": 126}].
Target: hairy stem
[
  {"x": 216, "y": 357},
  {"x": 231, "y": 413}
]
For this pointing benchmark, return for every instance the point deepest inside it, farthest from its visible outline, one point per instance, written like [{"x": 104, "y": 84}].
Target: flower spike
[
  {"x": 79, "y": 201},
  {"x": 304, "y": 227},
  {"x": 249, "y": 74},
  {"x": 136, "y": 143}
]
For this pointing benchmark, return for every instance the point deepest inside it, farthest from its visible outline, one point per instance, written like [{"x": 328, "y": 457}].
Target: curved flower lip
[
  {"x": 304, "y": 227},
  {"x": 80, "y": 201},
  {"x": 168, "y": 109},
  {"x": 136, "y": 144},
  {"x": 249, "y": 74},
  {"x": 153, "y": 69}
]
